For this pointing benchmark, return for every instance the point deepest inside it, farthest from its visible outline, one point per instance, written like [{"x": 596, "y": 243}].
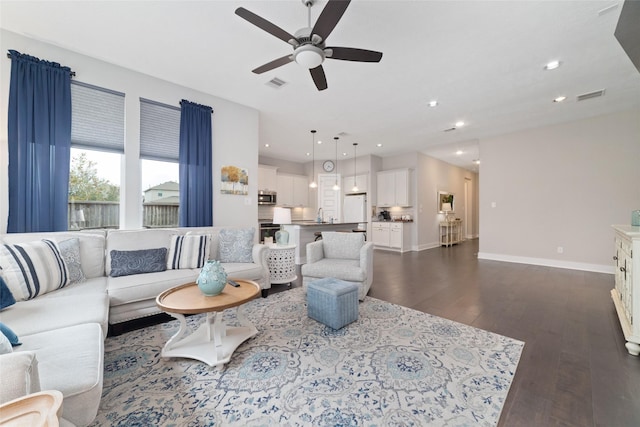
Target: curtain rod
[{"x": 73, "y": 73}]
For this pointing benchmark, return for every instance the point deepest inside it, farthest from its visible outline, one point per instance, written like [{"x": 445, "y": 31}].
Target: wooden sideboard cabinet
[{"x": 626, "y": 293}]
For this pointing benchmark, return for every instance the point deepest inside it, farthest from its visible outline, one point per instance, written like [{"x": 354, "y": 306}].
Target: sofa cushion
[
  {"x": 188, "y": 251},
  {"x": 6, "y": 297},
  {"x": 71, "y": 360},
  {"x": 342, "y": 245},
  {"x": 126, "y": 263},
  {"x": 236, "y": 244},
  {"x": 141, "y": 287},
  {"x": 70, "y": 250},
  {"x": 45, "y": 314},
  {"x": 19, "y": 375},
  {"x": 343, "y": 269},
  {"x": 33, "y": 268}
]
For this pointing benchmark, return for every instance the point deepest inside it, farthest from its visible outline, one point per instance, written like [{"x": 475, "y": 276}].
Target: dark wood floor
[{"x": 574, "y": 370}]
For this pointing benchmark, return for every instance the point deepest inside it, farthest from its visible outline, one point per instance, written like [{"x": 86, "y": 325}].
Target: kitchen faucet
[{"x": 320, "y": 214}]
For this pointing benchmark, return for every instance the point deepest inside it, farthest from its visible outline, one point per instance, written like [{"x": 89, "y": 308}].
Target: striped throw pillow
[
  {"x": 188, "y": 251},
  {"x": 33, "y": 268}
]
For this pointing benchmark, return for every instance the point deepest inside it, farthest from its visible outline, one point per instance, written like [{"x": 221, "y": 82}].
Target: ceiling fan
[{"x": 309, "y": 49}]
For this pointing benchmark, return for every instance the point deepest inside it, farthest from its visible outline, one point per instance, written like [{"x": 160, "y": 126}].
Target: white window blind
[
  {"x": 97, "y": 118},
  {"x": 159, "y": 131}
]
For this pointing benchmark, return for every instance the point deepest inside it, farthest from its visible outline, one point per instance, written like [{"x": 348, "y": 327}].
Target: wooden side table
[
  {"x": 282, "y": 264},
  {"x": 37, "y": 409},
  {"x": 213, "y": 342},
  {"x": 450, "y": 232}
]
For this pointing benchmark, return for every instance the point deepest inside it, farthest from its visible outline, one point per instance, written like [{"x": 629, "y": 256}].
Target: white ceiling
[{"x": 482, "y": 60}]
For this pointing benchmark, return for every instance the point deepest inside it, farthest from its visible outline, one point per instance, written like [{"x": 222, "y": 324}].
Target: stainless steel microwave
[{"x": 266, "y": 197}]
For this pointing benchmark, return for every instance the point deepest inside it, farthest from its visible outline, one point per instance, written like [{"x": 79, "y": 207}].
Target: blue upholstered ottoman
[{"x": 332, "y": 302}]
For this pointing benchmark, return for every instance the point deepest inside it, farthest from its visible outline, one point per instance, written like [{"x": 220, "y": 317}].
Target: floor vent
[
  {"x": 590, "y": 95},
  {"x": 276, "y": 83}
]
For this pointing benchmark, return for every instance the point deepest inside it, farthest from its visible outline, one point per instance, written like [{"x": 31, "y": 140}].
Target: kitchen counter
[
  {"x": 303, "y": 232},
  {"x": 393, "y": 220}
]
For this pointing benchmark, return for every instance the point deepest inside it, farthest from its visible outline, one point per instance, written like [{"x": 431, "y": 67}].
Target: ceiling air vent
[
  {"x": 590, "y": 95},
  {"x": 276, "y": 83},
  {"x": 449, "y": 130}
]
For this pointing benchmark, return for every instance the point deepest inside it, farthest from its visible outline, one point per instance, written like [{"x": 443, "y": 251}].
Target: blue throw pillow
[
  {"x": 125, "y": 263},
  {"x": 6, "y": 297},
  {"x": 7, "y": 332}
]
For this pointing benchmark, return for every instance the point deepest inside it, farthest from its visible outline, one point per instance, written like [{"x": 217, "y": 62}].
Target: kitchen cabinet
[
  {"x": 626, "y": 293},
  {"x": 361, "y": 181},
  {"x": 380, "y": 234},
  {"x": 293, "y": 190},
  {"x": 392, "y": 235},
  {"x": 267, "y": 178},
  {"x": 394, "y": 188}
]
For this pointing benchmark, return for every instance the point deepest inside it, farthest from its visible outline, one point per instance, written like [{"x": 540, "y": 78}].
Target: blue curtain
[
  {"x": 196, "y": 171},
  {"x": 39, "y": 132}
]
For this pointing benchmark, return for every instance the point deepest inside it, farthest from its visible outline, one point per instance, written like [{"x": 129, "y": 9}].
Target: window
[
  {"x": 97, "y": 144},
  {"x": 159, "y": 145}
]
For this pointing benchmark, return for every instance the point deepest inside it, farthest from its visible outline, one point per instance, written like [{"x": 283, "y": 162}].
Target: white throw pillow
[
  {"x": 32, "y": 269},
  {"x": 5, "y": 345},
  {"x": 188, "y": 251}
]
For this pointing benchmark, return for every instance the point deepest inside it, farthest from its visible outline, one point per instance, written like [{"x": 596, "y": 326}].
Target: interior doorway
[{"x": 468, "y": 208}]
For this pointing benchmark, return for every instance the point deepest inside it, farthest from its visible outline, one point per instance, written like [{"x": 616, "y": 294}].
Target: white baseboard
[
  {"x": 596, "y": 268},
  {"x": 426, "y": 246}
]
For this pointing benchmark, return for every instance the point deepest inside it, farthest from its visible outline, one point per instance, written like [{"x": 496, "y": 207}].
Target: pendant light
[
  {"x": 313, "y": 159},
  {"x": 355, "y": 186},
  {"x": 336, "y": 187}
]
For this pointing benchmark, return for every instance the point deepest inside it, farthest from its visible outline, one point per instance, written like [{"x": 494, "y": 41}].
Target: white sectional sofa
[{"x": 62, "y": 331}]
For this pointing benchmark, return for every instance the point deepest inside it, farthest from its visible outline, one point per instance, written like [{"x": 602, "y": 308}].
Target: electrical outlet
[{"x": 560, "y": 249}]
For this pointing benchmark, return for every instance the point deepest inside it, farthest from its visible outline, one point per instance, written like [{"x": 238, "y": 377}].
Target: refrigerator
[{"x": 355, "y": 209}]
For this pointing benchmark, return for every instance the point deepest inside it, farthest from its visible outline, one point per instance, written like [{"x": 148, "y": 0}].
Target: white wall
[
  {"x": 560, "y": 186},
  {"x": 235, "y": 129}
]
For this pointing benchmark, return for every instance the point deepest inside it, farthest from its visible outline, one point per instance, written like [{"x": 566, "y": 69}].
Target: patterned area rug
[{"x": 393, "y": 367}]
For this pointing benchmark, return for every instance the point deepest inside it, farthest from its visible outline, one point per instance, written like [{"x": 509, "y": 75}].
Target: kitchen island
[{"x": 303, "y": 232}]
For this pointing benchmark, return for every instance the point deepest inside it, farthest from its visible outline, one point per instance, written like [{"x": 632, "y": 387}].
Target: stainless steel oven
[
  {"x": 268, "y": 229},
  {"x": 266, "y": 197}
]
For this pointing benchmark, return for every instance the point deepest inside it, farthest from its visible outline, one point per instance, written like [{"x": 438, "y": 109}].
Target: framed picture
[
  {"x": 445, "y": 202},
  {"x": 234, "y": 180}
]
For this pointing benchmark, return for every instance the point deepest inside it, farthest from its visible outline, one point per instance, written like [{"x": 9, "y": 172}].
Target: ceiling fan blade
[
  {"x": 353, "y": 54},
  {"x": 273, "y": 64},
  {"x": 265, "y": 25},
  {"x": 317, "y": 74},
  {"x": 329, "y": 17}
]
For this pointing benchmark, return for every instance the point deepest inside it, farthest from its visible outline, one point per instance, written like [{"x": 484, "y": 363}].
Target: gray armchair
[{"x": 345, "y": 256}]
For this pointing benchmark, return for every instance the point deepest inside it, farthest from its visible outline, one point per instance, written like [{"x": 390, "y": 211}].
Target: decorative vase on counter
[{"x": 212, "y": 278}]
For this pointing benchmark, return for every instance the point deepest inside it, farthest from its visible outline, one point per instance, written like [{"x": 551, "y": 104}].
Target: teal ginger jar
[{"x": 212, "y": 278}]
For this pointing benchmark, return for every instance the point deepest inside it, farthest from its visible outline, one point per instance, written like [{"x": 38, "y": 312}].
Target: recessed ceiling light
[
  {"x": 552, "y": 65},
  {"x": 433, "y": 103},
  {"x": 266, "y": 145},
  {"x": 459, "y": 152},
  {"x": 476, "y": 161},
  {"x": 560, "y": 99},
  {"x": 308, "y": 154},
  {"x": 378, "y": 145},
  {"x": 459, "y": 124},
  {"x": 319, "y": 142},
  {"x": 344, "y": 154}
]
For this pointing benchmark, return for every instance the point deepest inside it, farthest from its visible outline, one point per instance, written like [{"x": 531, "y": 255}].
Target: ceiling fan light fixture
[{"x": 309, "y": 56}]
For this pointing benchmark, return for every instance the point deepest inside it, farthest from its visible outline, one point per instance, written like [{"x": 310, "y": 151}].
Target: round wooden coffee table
[{"x": 212, "y": 342}]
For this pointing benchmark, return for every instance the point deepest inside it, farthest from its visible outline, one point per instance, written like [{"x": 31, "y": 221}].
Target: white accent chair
[{"x": 345, "y": 256}]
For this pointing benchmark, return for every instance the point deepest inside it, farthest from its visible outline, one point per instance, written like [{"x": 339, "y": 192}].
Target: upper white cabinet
[
  {"x": 267, "y": 178},
  {"x": 361, "y": 181},
  {"x": 394, "y": 188},
  {"x": 293, "y": 190}
]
